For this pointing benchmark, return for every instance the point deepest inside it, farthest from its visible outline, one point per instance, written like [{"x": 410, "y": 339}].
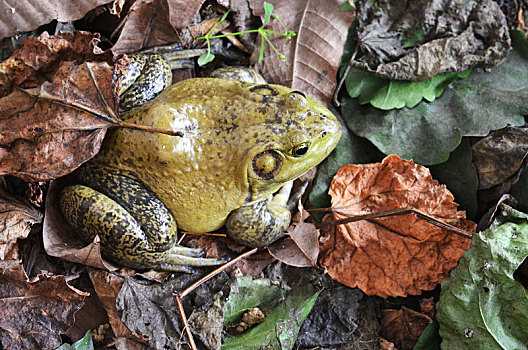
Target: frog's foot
[{"x": 261, "y": 222}]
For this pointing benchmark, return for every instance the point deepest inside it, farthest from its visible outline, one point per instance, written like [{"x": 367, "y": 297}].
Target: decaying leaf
[
  {"x": 392, "y": 256},
  {"x": 402, "y": 40},
  {"x": 58, "y": 119},
  {"x": 300, "y": 249},
  {"x": 34, "y": 314},
  {"x": 26, "y": 15},
  {"x": 16, "y": 219},
  {"x": 312, "y": 56},
  {"x": 403, "y": 327},
  {"x": 499, "y": 156}
]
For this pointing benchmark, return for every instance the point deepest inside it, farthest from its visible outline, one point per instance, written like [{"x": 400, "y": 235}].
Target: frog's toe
[
  {"x": 177, "y": 259},
  {"x": 164, "y": 266},
  {"x": 192, "y": 252}
]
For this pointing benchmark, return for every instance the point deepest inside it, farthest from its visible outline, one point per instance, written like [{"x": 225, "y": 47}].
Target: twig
[
  {"x": 343, "y": 78},
  {"x": 398, "y": 211},
  {"x": 185, "y": 322}
]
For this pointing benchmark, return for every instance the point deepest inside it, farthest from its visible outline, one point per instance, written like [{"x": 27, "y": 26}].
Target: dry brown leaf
[
  {"x": 312, "y": 56},
  {"x": 107, "y": 286},
  {"x": 155, "y": 23},
  {"x": 26, "y": 15},
  {"x": 399, "y": 255},
  {"x": 16, "y": 219},
  {"x": 61, "y": 240},
  {"x": 35, "y": 314},
  {"x": 57, "y": 119},
  {"x": 300, "y": 249},
  {"x": 403, "y": 327}
]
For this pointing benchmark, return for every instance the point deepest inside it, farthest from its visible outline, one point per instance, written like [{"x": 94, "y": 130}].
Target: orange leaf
[{"x": 398, "y": 255}]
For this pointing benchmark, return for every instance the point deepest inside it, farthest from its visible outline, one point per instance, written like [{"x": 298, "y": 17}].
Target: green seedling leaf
[
  {"x": 251, "y": 293},
  {"x": 460, "y": 177},
  {"x": 280, "y": 328},
  {"x": 346, "y": 6},
  {"x": 389, "y": 94},
  {"x": 268, "y": 9},
  {"x": 85, "y": 343},
  {"x": 205, "y": 58},
  {"x": 482, "y": 306},
  {"x": 470, "y": 107},
  {"x": 429, "y": 339}
]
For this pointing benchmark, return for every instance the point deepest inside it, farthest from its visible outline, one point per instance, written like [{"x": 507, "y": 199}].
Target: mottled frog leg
[
  {"x": 134, "y": 227},
  {"x": 147, "y": 76},
  {"x": 261, "y": 222}
]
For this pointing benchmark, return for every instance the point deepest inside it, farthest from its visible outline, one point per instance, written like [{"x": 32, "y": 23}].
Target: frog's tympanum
[{"x": 241, "y": 143}]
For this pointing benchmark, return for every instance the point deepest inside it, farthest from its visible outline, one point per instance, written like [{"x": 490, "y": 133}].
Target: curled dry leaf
[
  {"x": 403, "y": 327},
  {"x": 27, "y": 15},
  {"x": 35, "y": 314},
  {"x": 300, "y": 249},
  {"x": 399, "y": 255},
  {"x": 61, "y": 240},
  {"x": 51, "y": 126},
  {"x": 312, "y": 56},
  {"x": 16, "y": 219},
  {"x": 499, "y": 156}
]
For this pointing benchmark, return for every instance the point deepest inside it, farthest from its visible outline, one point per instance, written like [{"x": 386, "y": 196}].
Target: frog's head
[{"x": 295, "y": 134}]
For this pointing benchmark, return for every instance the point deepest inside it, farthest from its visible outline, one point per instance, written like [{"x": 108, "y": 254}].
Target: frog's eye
[
  {"x": 267, "y": 164},
  {"x": 299, "y": 150}
]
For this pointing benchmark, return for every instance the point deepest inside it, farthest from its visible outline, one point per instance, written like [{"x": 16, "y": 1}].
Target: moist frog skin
[{"x": 241, "y": 143}]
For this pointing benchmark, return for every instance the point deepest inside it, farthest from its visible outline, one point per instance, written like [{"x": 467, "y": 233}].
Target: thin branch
[{"x": 185, "y": 322}]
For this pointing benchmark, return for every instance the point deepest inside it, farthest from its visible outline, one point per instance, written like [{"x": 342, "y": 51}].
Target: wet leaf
[
  {"x": 251, "y": 293},
  {"x": 82, "y": 344},
  {"x": 470, "y": 107},
  {"x": 392, "y": 256},
  {"x": 482, "y": 306},
  {"x": 416, "y": 41},
  {"x": 499, "y": 156},
  {"x": 27, "y": 15},
  {"x": 279, "y": 329},
  {"x": 403, "y": 327},
  {"x": 312, "y": 56},
  {"x": 16, "y": 219},
  {"x": 34, "y": 314}
]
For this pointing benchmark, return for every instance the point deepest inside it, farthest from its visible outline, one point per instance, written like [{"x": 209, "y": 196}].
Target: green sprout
[{"x": 264, "y": 33}]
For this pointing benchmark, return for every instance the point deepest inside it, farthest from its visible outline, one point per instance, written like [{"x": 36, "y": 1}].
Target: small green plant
[{"x": 264, "y": 33}]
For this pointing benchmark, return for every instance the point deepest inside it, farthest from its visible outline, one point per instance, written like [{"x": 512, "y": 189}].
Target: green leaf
[
  {"x": 429, "y": 339},
  {"x": 460, "y": 177},
  {"x": 280, "y": 328},
  {"x": 389, "y": 94},
  {"x": 251, "y": 293},
  {"x": 268, "y": 9},
  {"x": 83, "y": 344},
  {"x": 351, "y": 149},
  {"x": 346, "y": 6},
  {"x": 482, "y": 306},
  {"x": 470, "y": 107},
  {"x": 205, "y": 58}
]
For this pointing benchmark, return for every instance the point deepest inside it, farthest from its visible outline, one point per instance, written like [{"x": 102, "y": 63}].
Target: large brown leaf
[
  {"x": 26, "y": 15},
  {"x": 57, "y": 110},
  {"x": 34, "y": 314},
  {"x": 312, "y": 56},
  {"x": 398, "y": 255}
]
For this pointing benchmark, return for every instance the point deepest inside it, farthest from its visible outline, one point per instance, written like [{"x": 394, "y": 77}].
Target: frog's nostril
[{"x": 323, "y": 134}]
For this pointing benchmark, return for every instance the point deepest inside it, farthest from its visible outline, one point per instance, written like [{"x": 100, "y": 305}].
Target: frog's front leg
[
  {"x": 135, "y": 228},
  {"x": 261, "y": 222}
]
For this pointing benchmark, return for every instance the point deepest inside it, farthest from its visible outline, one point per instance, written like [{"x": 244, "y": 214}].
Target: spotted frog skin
[{"x": 241, "y": 143}]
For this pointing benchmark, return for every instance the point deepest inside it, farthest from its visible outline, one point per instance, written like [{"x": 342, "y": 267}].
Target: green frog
[{"x": 241, "y": 143}]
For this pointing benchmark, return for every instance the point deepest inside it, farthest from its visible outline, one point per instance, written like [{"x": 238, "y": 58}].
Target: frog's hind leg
[{"x": 134, "y": 227}]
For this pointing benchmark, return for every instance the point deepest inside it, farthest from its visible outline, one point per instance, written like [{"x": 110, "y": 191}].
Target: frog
[{"x": 241, "y": 145}]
